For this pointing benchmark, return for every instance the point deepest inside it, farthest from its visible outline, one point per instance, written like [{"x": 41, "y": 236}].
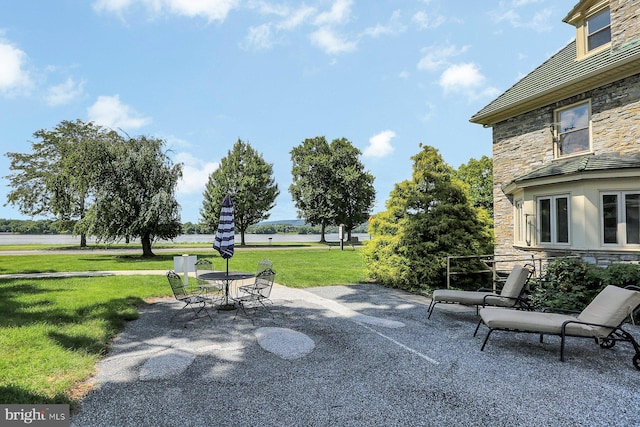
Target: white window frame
[
  {"x": 559, "y": 132},
  {"x": 553, "y": 219},
  {"x": 621, "y": 213}
]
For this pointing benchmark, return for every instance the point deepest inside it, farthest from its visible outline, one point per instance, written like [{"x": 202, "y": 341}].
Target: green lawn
[
  {"x": 296, "y": 268},
  {"x": 53, "y": 331}
]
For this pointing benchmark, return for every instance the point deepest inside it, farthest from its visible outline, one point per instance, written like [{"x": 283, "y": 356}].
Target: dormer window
[
  {"x": 598, "y": 30},
  {"x": 592, "y": 20}
]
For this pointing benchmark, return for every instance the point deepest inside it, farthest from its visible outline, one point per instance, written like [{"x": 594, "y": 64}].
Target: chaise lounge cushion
[
  {"x": 528, "y": 321},
  {"x": 610, "y": 307},
  {"x": 507, "y": 297}
]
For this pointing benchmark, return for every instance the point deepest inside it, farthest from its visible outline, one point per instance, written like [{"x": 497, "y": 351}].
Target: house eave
[
  {"x": 596, "y": 78},
  {"x": 513, "y": 186}
]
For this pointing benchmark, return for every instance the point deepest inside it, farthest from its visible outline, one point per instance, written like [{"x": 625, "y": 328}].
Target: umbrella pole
[{"x": 227, "y": 283}]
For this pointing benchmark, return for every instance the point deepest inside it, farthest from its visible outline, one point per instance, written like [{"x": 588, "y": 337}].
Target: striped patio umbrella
[{"x": 224, "y": 240}]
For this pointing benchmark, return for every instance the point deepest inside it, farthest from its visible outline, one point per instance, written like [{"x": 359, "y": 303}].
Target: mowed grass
[
  {"x": 294, "y": 267},
  {"x": 53, "y": 331}
]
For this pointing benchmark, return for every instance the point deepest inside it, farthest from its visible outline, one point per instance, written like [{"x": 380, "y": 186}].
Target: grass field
[{"x": 53, "y": 331}]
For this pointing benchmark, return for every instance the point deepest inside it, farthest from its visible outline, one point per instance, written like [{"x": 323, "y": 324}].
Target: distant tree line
[
  {"x": 191, "y": 228},
  {"x": 27, "y": 226}
]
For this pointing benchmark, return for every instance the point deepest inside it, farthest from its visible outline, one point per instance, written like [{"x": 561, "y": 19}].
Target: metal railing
[{"x": 498, "y": 265}]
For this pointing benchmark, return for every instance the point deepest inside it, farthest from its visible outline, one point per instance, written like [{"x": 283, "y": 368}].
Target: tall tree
[
  {"x": 135, "y": 194},
  {"x": 248, "y": 179},
  {"x": 330, "y": 185},
  {"x": 58, "y": 177},
  {"x": 477, "y": 174},
  {"x": 428, "y": 218},
  {"x": 352, "y": 192},
  {"x": 311, "y": 185}
]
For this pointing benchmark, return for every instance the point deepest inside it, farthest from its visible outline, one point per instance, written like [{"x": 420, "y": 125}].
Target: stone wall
[
  {"x": 625, "y": 21},
  {"x": 524, "y": 143}
]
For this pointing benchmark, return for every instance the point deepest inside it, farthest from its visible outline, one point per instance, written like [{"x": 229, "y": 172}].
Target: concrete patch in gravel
[
  {"x": 285, "y": 343},
  {"x": 166, "y": 364}
]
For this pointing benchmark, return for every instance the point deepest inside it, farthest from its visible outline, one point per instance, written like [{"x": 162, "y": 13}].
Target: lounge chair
[
  {"x": 602, "y": 319},
  {"x": 511, "y": 295}
]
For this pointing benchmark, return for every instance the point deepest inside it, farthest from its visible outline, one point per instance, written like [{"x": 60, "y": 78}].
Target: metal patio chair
[
  {"x": 195, "y": 302},
  {"x": 213, "y": 290},
  {"x": 258, "y": 293}
]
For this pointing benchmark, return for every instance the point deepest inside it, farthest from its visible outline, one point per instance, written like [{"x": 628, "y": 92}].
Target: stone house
[{"x": 566, "y": 144}]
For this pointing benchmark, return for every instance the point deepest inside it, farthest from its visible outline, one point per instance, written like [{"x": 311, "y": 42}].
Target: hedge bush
[{"x": 571, "y": 283}]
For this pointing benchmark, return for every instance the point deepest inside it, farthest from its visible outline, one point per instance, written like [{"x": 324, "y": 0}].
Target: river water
[{"x": 65, "y": 239}]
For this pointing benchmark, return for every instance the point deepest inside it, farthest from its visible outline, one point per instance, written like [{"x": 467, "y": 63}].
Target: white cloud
[
  {"x": 466, "y": 79},
  {"x": 460, "y": 77},
  {"x": 296, "y": 18},
  {"x": 339, "y": 14},
  {"x": 439, "y": 57},
  {"x": 394, "y": 26},
  {"x": 259, "y": 37},
  {"x": 380, "y": 144},
  {"x": 64, "y": 93},
  {"x": 212, "y": 10},
  {"x": 426, "y": 21},
  {"x": 195, "y": 173},
  {"x": 110, "y": 112},
  {"x": 539, "y": 20},
  {"x": 327, "y": 40},
  {"x": 13, "y": 76}
]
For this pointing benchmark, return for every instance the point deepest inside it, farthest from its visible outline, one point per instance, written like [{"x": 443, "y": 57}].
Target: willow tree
[
  {"x": 427, "y": 218},
  {"x": 246, "y": 177},
  {"x": 58, "y": 177},
  {"x": 135, "y": 194}
]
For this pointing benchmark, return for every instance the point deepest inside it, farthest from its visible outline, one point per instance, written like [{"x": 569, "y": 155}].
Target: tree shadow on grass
[
  {"x": 11, "y": 394},
  {"x": 18, "y": 313}
]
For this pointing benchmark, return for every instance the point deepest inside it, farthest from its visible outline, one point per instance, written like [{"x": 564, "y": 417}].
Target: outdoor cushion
[
  {"x": 512, "y": 289},
  {"x": 529, "y": 321},
  {"x": 610, "y": 307}
]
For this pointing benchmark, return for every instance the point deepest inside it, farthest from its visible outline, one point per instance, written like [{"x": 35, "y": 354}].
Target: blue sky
[{"x": 385, "y": 74}]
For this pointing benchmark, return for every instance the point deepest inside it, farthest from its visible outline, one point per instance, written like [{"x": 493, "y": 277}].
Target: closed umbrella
[{"x": 224, "y": 240}]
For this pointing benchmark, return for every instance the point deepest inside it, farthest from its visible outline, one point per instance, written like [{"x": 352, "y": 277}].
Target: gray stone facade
[
  {"x": 524, "y": 143},
  {"x": 624, "y": 14}
]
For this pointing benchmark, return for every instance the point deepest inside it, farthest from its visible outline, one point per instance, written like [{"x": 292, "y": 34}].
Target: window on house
[
  {"x": 553, "y": 219},
  {"x": 572, "y": 130},
  {"x": 598, "y": 30},
  {"x": 621, "y": 218}
]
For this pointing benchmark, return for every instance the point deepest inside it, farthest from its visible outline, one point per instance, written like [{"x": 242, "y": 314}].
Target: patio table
[{"x": 227, "y": 278}]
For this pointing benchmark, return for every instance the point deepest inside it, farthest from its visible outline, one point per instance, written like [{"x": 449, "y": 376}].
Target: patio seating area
[{"x": 352, "y": 356}]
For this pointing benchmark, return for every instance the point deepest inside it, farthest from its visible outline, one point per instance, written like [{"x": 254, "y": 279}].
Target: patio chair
[
  {"x": 601, "y": 320},
  {"x": 196, "y": 302},
  {"x": 258, "y": 293},
  {"x": 264, "y": 265},
  {"x": 512, "y": 294},
  {"x": 213, "y": 290}
]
